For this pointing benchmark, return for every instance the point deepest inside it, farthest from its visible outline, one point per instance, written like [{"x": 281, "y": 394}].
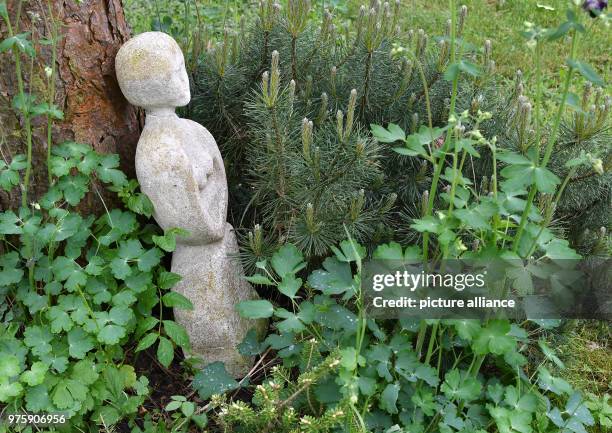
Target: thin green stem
[
  {"x": 551, "y": 142},
  {"x": 453, "y": 101}
]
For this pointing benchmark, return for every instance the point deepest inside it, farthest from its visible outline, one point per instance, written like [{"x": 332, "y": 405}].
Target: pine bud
[
  {"x": 274, "y": 78},
  {"x": 424, "y": 203},
  {"x": 308, "y": 90},
  {"x": 411, "y": 101},
  {"x": 598, "y": 95},
  {"x": 586, "y": 94},
  {"x": 414, "y": 126},
  {"x": 265, "y": 81},
  {"x": 407, "y": 69},
  {"x": 409, "y": 37},
  {"x": 488, "y": 48},
  {"x": 421, "y": 42},
  {"x": 396, "y": 13},
  {"x": 462, "y": 17},
  {"x": 491, "y": 67},
  {"x": 291, "y": 97},
  {"x": 306, "y": 138},
  {"x": 323, "y": 109},
  {"x": 350, "y": 114},
  {"x": 310, "y": 218},
  {"x": 317, "y": 163},
  {"x": 256, "y": 240},
  {"x": 339, "y": 124},
  {"x": 442, "y": 53},
  {"x": 334, "y": 70}
]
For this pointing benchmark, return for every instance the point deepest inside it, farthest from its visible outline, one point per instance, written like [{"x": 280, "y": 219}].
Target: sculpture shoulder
[
  {"x": 199, "y": 129},
  {"x": 160, "y": 133}
]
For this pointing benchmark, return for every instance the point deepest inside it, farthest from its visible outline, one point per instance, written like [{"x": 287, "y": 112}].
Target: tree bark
[{"x": 95, "y": 111}]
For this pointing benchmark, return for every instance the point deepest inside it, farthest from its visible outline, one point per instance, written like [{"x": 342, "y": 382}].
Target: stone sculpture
[{"x": 179, "y": 166}]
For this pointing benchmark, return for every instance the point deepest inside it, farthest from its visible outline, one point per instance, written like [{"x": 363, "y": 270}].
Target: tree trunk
[{"x": 95, "y": 111}]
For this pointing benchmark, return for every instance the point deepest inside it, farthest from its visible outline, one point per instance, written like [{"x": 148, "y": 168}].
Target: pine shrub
[{"x": 290, "y": 101}]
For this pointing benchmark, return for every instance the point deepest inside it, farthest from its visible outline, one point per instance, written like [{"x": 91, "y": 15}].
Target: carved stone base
[{"x": 212, "y": 281}]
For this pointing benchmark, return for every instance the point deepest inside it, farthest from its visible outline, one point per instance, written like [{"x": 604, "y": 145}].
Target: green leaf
[
  {"x": 459, "y": 388},
  {"x": 349, "y": 251},
  {"x": 95, "y": 265},
  {"x": 426, "y": 224},
  {"x": 525, "y": 403},
  {"x": 146, "y": 342},
  {"x": 467, "y": 328},
  {"x": 165, "y": 352},
  {"x": 350, "y": 360},
  {"x": 391, "y": 134},
  {"x": 149, "y": 260},
  {"x": 586, "y": 71},
  {"x": 287, "y": 260},
  {"x": 3, "y": 11},
  {"x": 545, "y": 180},
  {"x": 292, "y": 322},
  {"x": 38, "y": 339},
  {"x": 213, "y": 379},
  {"x": 390, "y": 251},
  {"x": 8, "y": 179},
  {"x": 37, "y": 399},
  {"x": 548, "y": 382},
  {"x": 139, "y": 282},
  {"x": 19, "y": 42},
  {"x": 111, "y": 334},
  {"x": 260, "y": 279},
  {"x": 250, "y": 346},
  {"x": 9, "y": 390},
  {"x": 175, "y": 299},
  {"x": 108, "y": 173},
  {"x": 334, "y": 279},
  {"x": 79, "y": 343},
  {"x": 167, "y": 242},
  {"x": 177, "y": 333},
  {"x": 9, "y": 366},
  {"x": 289, "y": 286},
  {"x": 85, "y": 372},
  {"x": 452, "y": 71},
  {"x": 60, "y": 320},
  {"x": 259, "y": 309},
  {"x": 167, "y": 280},
  {"x": 388, "y": 398},
  {"x": 559, "y": 249},
  {"x": 494, "y": 338},
  {"x": 74, "y": 188},
  {"x": 9, "y": 223},
  {"x": 173, "y": 405},
  {"x": 36, "y": 374},
  {"x": 550, "y": 353}
]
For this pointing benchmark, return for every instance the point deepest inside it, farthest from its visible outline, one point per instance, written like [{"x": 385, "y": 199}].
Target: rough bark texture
[{"x": 95, "y": 111}]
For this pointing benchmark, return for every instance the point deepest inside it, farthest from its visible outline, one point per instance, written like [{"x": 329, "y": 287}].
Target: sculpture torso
[{"x": 185, "y": 177}]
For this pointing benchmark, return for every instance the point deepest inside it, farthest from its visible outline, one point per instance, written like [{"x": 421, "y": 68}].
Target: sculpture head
[{"x": 151, "y": 72}]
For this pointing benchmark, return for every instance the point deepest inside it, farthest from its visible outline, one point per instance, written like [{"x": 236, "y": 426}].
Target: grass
[
  {"x": 586, "y": 348},
  {"x": 500, "y": 21}
]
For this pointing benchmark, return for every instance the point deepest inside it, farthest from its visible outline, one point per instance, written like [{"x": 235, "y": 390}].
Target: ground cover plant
[
  {"x": 79, "y": 295},
  {"x": 342, "y": 145}
]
